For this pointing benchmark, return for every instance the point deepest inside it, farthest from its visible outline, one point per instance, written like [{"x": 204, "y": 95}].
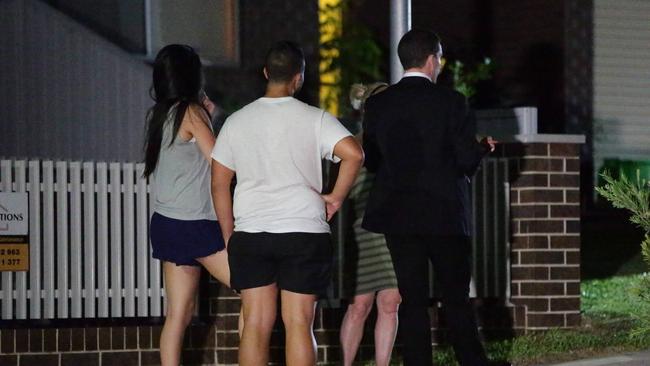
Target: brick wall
[
  {"x": 545, "y": 227},
  {"x": 110, "y": 345},
  {"x": 116, "y": 345}
]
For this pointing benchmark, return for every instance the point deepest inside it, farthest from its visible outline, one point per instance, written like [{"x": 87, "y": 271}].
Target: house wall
[
  {"x": 70, "y": 94},
  {"x": 621, "y": 80},
  {"x": 67, "y": 93}
]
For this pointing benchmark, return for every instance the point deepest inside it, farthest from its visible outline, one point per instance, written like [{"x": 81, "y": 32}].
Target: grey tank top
[{"x": 182, "y": 179}]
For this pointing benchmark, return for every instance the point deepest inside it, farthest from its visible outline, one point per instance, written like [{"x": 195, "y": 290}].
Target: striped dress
[{"x": 368, "y": 264}]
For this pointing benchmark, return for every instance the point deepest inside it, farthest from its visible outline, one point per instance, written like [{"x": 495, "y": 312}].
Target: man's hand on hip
[{"x": 332, "y": 204}]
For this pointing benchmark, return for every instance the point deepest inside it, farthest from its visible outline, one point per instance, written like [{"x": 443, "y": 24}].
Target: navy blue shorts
[{"x": 182, "y": 241}]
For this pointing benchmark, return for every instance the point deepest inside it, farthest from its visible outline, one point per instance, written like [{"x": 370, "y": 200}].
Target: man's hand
[
  {"x": 221, "y": 199},
  {"x": 489, "y": 143},
  {"x": 351, "y": 155},
  {"x": 332, "y": 204}
]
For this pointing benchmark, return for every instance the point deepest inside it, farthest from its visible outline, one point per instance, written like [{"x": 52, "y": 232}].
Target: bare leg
[
  {"x": 298, "y": 312},
  {"x": 352, "y": 325},
  {"x": 180, "y": 289},
  {"x": 240, "y": 323},
  {"x": 388, "y": 301},
  {"x": 259, "y": 306},
  {"x": 217, "y": 265}
]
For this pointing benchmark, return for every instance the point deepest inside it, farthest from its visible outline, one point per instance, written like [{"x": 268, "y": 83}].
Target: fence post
[
  {"x": 75, "y": 239},
  {"x": 7, "y": 277}
]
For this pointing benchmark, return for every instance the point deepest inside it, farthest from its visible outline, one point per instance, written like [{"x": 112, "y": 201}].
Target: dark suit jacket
[{"x": 419, "y": 138}]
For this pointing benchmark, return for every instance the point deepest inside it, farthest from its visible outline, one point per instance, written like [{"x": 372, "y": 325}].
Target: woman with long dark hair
[{"x": 184, "y": 230}]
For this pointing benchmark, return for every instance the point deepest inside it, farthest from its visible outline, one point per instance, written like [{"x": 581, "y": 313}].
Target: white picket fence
[{"x": 88, "y": 242}]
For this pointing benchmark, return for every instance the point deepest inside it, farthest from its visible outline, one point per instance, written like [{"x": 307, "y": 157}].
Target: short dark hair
[
  {"x": 284, "y": 60},
  {"x": 415, "y": 46}
]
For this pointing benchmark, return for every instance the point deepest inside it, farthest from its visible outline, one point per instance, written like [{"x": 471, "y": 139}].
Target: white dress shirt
[{"x": 416, "y": 73}]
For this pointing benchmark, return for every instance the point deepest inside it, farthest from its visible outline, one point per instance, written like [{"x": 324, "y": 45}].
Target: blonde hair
[{"x": 360, "y": 92}]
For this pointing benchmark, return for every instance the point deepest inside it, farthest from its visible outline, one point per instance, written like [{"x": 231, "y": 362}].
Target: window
[{"x": 210, "y": 26}]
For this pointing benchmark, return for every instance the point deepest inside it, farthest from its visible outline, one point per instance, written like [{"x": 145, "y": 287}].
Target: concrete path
[{"x": 626, "y": 359}]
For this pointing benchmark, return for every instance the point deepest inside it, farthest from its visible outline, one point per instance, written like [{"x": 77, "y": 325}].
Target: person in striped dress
[{"x": 369, "y": 272}]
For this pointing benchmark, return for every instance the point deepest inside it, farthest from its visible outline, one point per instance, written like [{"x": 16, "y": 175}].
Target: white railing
[
  {"x": 88, "y": 242},
  {"x": 490, "y": 236}
]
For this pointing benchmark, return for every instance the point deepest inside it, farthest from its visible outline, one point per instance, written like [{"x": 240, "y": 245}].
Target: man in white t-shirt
[{"x": 276, "y": 229}]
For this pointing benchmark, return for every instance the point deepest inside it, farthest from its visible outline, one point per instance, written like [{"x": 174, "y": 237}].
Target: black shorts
[{"x": 297, "y": 262}]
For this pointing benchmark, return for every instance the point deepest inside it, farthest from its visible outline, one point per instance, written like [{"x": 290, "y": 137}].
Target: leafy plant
[
  {"x": 465, "y": 80},
  {"x": 353, "y": 55},
  {"x": 633, "y": 195}
]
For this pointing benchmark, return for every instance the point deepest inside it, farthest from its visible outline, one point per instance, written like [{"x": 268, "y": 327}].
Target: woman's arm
[
  {"x": 221, "y": 199},
  {"x": 196, "y": 124}
]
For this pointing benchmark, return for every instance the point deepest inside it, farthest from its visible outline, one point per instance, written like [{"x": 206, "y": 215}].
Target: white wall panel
[
  {"x": 67, "y": 93},
  {"x": 621, "y": 80}
]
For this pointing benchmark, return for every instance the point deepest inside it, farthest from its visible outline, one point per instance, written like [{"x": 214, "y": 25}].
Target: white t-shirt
[{"x": 276, "y": 147}]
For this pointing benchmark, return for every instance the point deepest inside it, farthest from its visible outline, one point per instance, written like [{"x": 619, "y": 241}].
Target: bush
[{"x": 633, "y": 195}]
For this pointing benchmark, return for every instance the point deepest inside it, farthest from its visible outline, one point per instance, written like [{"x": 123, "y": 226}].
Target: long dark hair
[{"x": 177, "y": 80}]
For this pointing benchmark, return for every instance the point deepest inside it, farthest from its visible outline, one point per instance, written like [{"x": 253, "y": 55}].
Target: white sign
[{"x": 14, "y": 219}]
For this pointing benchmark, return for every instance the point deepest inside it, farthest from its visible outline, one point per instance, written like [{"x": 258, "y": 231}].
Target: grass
[
  {"x": 613, "y": 298},
  {"x": 556, "y": 346},
  {"x": 610, "y": 309}
]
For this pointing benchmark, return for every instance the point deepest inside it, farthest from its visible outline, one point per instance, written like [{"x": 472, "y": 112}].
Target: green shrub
[
  {"x": 634, "y": 196},
  {"x": 465, "y": 80}
]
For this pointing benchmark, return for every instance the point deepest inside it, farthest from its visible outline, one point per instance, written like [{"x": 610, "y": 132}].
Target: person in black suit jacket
[{"x": 419, "y": 139}]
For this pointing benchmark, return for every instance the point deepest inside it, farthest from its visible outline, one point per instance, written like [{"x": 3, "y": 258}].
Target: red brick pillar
[{"x": 545, "y": 228}]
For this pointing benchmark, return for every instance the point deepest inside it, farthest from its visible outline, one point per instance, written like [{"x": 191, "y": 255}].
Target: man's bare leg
[
  {"x": 259, "y": 307},
  {"x": 298, "y": 316}
]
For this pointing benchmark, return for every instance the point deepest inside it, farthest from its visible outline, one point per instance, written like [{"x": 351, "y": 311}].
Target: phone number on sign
[
  {"x": 9, "y": 262},
  {"x": 9, "y": 252}
]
